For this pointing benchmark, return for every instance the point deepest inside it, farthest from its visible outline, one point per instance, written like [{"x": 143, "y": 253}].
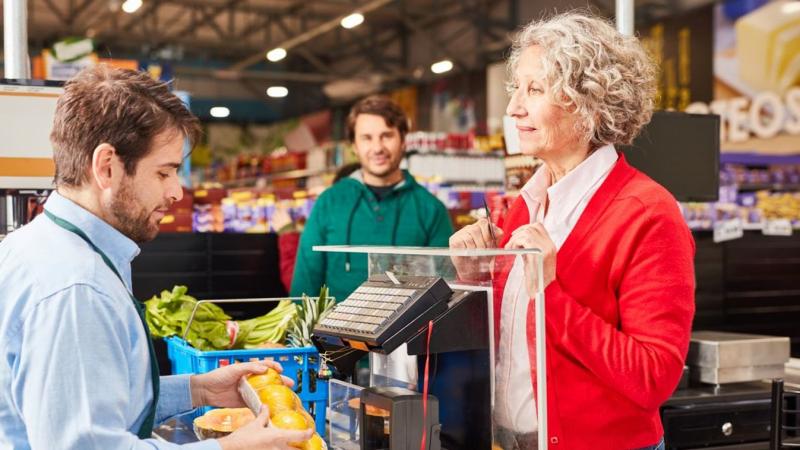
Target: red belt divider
[{"x": 425, "y": 387}]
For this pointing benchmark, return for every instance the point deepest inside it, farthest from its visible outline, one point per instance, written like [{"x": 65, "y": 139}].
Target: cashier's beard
[{"x": 132, "y": 218}]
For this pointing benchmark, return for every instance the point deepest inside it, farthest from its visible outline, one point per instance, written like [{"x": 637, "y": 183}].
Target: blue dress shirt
[{"x": 74, "y": 363}]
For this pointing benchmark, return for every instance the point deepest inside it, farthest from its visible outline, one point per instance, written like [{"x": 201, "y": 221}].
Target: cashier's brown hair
[
  {"x": 378, "y": 105},
  {"x": 123, "y": 108}
]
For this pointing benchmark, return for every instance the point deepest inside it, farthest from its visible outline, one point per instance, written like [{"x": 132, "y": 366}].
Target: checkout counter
[
  {"x": 427, "y": 307},
  {"x": 430, "y": 308}
]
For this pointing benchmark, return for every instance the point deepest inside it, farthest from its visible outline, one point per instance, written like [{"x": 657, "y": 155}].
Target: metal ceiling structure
[
  {"x": 226, "y": 40},
  {"x": 240, "y": 32}
]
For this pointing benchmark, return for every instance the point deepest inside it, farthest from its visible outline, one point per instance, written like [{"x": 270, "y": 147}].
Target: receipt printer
[{"x": 391, "y": 418}]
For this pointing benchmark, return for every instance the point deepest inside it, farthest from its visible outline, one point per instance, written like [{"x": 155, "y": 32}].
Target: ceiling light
[
  {"x": 276, "y": 54},
  {"x": 352, "y": 21},
  {"x": 442, "y": 66},
  {"x": 220, "y": 112},
  {"x": 131, "y": 6},
  {"x": 277, "y": 91}
]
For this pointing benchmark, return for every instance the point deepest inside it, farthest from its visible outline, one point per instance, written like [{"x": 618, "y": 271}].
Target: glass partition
[{"x": 476, "y": 360}]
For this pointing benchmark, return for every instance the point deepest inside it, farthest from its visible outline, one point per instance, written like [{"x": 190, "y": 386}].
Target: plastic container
[
  {"x": 299, "y": 364},
  {"x": 343, "y": 415}
]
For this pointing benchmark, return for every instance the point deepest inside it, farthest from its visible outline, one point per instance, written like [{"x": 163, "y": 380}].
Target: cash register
[{"x": 383, "y": 312}]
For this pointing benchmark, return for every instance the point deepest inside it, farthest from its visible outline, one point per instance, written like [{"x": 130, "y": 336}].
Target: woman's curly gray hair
[{"x": 606, "y": 78}]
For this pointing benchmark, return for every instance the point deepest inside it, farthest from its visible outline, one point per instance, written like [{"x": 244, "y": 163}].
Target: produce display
[
  {"x": 285, "y": 408},
  {"x": 169, "y": 313},
  {"x": 212, "y": 329}
]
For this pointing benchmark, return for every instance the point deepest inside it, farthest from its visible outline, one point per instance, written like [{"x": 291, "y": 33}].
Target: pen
[{"x": 489, "y": 218}]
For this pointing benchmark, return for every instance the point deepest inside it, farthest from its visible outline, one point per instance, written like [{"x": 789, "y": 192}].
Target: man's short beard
[{"x": 131, "y": 221}]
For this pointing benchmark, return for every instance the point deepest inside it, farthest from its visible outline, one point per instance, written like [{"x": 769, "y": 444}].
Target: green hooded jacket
[{"x": 348, "y": 213}]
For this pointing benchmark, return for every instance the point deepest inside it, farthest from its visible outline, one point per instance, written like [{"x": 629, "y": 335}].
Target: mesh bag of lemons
[{"x": 285, "y": 411}]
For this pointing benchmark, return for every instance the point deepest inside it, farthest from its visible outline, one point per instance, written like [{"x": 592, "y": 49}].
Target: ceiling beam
[
  {"x": 208, "y": 18},
  {"x": 310, "y": 34},
  {"x": 56, "y": 11},
  {"x": 302, "y": 77},
  {"x": 255, "y": 8},
  {"x": 257, "y": 26},
  {"x": 80, "y": 9}
]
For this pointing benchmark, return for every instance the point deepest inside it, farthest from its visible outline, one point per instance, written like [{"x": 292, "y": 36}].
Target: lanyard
[{"x": 146, "y": 430}]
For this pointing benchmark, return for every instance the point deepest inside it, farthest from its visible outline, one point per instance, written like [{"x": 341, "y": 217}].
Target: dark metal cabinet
[{"x": 730, "y": 416}]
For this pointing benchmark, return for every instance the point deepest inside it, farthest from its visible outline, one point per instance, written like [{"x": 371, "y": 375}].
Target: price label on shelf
[
  {"x": 777, "y": 227},
  {"x": 728, "y": 230}
]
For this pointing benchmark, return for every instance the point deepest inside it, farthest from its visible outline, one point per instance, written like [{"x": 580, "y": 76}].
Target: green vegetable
[
  {"x": 270, "y": 327},
  {"x": 169, "y": 313}
]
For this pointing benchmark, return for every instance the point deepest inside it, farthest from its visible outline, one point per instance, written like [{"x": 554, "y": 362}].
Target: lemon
[
  {"x": 270, "y": 377},
  {"x": 278, "y": 398},
  {"x": 289, "y": 420}
]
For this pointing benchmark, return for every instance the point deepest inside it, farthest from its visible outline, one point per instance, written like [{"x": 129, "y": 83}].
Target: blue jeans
[{"x": 659, "y": 446}]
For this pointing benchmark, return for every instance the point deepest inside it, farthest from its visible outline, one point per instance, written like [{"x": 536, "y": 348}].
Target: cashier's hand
[
  {"x": 534, "y": 235},
  {"x": 220, "y": 386},
  {"x": 257, "y": 436}
]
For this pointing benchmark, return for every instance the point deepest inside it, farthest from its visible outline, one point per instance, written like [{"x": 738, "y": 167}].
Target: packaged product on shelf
[
  {"x": 437, "y": 142},
  {"x": 207, "y": 214},
  {"x": 725, "y": 211},
  {"x": 179, "y": 216},
  {"x": 266, "y": 206},
  {"x": 245, "y": 218},
  {"x": 229, "y": 214},
  {"x": 698, "y": 216},
  {"x": 301, "y": 206},
  {"x": 260, "y": 220},
  {"x": 203, "y": 219},
  {"x": 784, "y": 205}
]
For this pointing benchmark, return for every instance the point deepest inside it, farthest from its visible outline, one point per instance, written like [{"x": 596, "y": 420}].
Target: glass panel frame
[{"x": 473, "y": 269}]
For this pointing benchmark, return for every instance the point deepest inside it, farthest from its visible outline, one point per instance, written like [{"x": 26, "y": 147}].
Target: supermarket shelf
[
  {"x": 285, "y": 175},
  {"x": 769, "y": 186},
  {"x": 745, "y": 227},
  {"x": 453, "y": 152},
  {"x": 758, "y": 159},
  {"x": 484, "y": 183}
]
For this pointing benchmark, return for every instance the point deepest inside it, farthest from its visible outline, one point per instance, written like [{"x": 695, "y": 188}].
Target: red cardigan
[{"x": 619, "y": 314}]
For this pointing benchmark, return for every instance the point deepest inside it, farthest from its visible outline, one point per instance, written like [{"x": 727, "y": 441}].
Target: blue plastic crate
[{"x": 299, "y": 364}]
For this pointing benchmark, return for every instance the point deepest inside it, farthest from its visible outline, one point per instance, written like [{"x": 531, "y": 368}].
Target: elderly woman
[{"x": 617, "y": 255}]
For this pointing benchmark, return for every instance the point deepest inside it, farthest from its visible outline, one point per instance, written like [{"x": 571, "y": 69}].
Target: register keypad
[
  {"x": 367, "y": 308},
  {"x": 379, "y": 307}
]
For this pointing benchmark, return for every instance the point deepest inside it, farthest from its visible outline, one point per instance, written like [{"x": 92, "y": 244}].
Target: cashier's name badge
[{"x": 727, "y": 230}]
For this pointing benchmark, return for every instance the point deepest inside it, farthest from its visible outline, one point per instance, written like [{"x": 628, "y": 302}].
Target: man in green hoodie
[{"x": 380, "y": 204}]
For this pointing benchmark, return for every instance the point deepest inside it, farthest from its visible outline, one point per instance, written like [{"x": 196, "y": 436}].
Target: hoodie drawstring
[
  {"x": 395, "y": 226},
  {"x": 349, "y": 230}
]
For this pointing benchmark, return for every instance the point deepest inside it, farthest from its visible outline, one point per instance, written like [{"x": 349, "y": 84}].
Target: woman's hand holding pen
[
  {"x": 535, "y": 236},
  {"x": 477, "y": 235}
]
